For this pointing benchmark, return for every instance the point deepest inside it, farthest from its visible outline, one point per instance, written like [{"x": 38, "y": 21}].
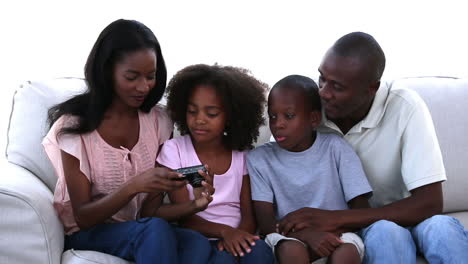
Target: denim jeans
[
  {"x": 152, "y": 240},
  {"x": 440, "y": 239},
  {"x": 261, "y": 253}
]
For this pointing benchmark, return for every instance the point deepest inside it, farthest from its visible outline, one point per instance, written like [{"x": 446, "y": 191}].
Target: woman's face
[{"x": 134, "y": 77}]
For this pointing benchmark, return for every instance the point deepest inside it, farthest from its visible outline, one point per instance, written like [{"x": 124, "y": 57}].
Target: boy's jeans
[
  {"x": 440, "y": 239},
  {"x": 149, "y": 240}
]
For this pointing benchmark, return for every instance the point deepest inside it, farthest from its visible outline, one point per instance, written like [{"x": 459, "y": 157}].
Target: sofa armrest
[{"x": 30, "y": 229}]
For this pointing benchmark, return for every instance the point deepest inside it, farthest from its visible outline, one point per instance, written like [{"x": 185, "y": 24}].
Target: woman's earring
[{"x": 225, "y": 133}]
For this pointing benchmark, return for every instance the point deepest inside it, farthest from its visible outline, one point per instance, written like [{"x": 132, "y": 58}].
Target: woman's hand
[
  {"x": 155, "y": 180},
  {"x": 236, "y": 241}
]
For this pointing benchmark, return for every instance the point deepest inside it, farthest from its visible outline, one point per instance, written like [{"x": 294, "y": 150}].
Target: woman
[{"x": 103, "y": 144}]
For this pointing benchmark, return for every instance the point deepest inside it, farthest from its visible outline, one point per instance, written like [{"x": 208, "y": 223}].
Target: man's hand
[{"x": 315, "y": 219}]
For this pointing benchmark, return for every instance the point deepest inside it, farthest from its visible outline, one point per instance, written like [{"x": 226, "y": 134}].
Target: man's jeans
[
  {"x": 150, "y": 240},
  {"x": 440, "y": 239}
]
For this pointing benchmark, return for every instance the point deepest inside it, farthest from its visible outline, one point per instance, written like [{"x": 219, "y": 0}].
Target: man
[{"x": 393, "y": 134}]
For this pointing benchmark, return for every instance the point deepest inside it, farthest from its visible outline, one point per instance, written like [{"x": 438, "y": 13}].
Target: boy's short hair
[{"x": 306, "y": 85}]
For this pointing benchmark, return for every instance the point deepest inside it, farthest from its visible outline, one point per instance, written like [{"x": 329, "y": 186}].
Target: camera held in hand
[{"x": 191, "y": 174}]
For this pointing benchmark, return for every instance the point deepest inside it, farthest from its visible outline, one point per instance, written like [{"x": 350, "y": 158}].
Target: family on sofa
[{"x": 354, "y": 174}]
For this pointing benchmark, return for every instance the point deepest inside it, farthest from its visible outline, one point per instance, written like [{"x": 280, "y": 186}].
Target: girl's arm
[
  {"x": 265, "y": 215},
  {"x": 234, "y": 240},
  {"x": 154, "y": 207},
  {"x": 248, "y": 218},
  {"x": 88, "y": 213}
]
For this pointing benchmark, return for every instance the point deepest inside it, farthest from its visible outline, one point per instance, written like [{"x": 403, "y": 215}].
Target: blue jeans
[
  {"x": 261, "y": 253},
  {"x": 440, "y": 239},
  {"x": 152, "y": 240}
]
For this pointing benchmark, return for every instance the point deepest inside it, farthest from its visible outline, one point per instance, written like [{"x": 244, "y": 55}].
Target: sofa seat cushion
[{"x": 90, "y": 257}]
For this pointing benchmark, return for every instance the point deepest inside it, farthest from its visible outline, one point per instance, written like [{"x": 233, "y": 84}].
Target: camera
[{"x": 191, "y": 174}]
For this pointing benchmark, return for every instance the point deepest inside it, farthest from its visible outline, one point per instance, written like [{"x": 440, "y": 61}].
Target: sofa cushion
[
  {"x": 447, "y": 100},
  {"x": 28, "y": 124}
]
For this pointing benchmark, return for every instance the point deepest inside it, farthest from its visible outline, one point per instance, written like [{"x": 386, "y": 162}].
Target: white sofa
[{"x": 32, "y": 233}]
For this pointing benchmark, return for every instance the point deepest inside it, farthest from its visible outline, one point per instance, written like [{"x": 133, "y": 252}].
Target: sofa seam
[
  {"x": 82, "y": 257},
  {"x": 9, "y": 119},
  {"x": 41, "y": 220}
]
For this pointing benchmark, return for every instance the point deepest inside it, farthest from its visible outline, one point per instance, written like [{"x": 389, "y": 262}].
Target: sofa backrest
[
  {"x": 28, "y": 123},
  {"x": 447, "y": 100}
]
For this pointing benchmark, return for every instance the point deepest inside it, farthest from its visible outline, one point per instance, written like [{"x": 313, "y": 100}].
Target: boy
[{"x": 304, "y": 168}]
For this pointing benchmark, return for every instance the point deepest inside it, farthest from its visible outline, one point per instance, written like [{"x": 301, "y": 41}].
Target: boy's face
[{"x": 291, "y": 121}]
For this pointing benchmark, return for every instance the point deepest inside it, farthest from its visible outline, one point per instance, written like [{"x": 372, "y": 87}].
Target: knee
[
  {"x": 438, "y": 225},
  {"x": 196, "y": 241},
  {"x": 160, "y": 228},
  {"x": 439, "y": 221},
  {"x": 288, "y": 249},
  {"x": 385, "y": 232}
]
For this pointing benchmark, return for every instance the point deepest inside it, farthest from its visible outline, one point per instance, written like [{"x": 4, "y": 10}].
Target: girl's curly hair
[{"x": 242, "y": 94}]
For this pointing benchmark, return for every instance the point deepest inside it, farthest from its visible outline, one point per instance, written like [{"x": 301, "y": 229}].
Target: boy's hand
[
  {"x": 322, "y": 244},
  {"x": 236, "y": 241}
]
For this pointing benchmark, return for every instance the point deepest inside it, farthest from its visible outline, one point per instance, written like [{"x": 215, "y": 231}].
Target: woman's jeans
[
  {"x": 440, "y": 239},
  {"x": 149, "y": 240}
]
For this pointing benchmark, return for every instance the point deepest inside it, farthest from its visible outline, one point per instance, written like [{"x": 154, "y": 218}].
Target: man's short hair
[{"x": 364, "y": 46}]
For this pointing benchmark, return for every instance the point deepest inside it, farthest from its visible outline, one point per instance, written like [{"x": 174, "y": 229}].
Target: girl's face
[
  {"x": 134, "y": 77},
  {"x": 206, "y": 118}
]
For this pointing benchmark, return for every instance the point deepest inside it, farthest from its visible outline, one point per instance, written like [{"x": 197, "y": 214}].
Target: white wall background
[{"x": 43, "y": 39}]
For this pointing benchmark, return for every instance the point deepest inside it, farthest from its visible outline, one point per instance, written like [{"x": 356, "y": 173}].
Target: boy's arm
[{"x": 265, "y": 215}]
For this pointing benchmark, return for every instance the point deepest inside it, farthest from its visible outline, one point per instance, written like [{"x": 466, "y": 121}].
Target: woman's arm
[
  {"x": 154, "y": 207},
  {"x": 154, "y": 204},
  {"x": 88, "y": 213}
]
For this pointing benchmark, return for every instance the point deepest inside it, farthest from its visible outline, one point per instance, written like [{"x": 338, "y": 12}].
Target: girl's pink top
[
  {"x": 106, "y": 167},
  {"x": 225, "y": 207}
]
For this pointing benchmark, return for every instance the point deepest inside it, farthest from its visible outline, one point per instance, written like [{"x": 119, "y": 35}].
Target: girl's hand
[
  {"x": 156, "y": 180},
  {"x": 236, "y": 241},
  {"x": 201, "y": 202},
  {"x": 203, "y": 195}
]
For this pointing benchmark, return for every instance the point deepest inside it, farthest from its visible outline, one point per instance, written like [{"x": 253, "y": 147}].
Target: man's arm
[{"x": 423, "y": 203}]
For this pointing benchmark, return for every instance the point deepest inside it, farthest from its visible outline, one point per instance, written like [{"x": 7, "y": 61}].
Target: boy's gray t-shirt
[{"x": 327, "y": 175}]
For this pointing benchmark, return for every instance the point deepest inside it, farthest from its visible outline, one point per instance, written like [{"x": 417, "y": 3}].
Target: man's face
[{"x": 344, "y": 86}]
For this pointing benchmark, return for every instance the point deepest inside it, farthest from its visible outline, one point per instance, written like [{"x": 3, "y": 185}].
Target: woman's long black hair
[{"x": 117, "y": 40}]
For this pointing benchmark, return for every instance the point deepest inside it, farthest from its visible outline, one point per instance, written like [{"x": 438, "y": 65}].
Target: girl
[
  {"x": 218, "y": 111},
  {"x": 103, "y": 144}
]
